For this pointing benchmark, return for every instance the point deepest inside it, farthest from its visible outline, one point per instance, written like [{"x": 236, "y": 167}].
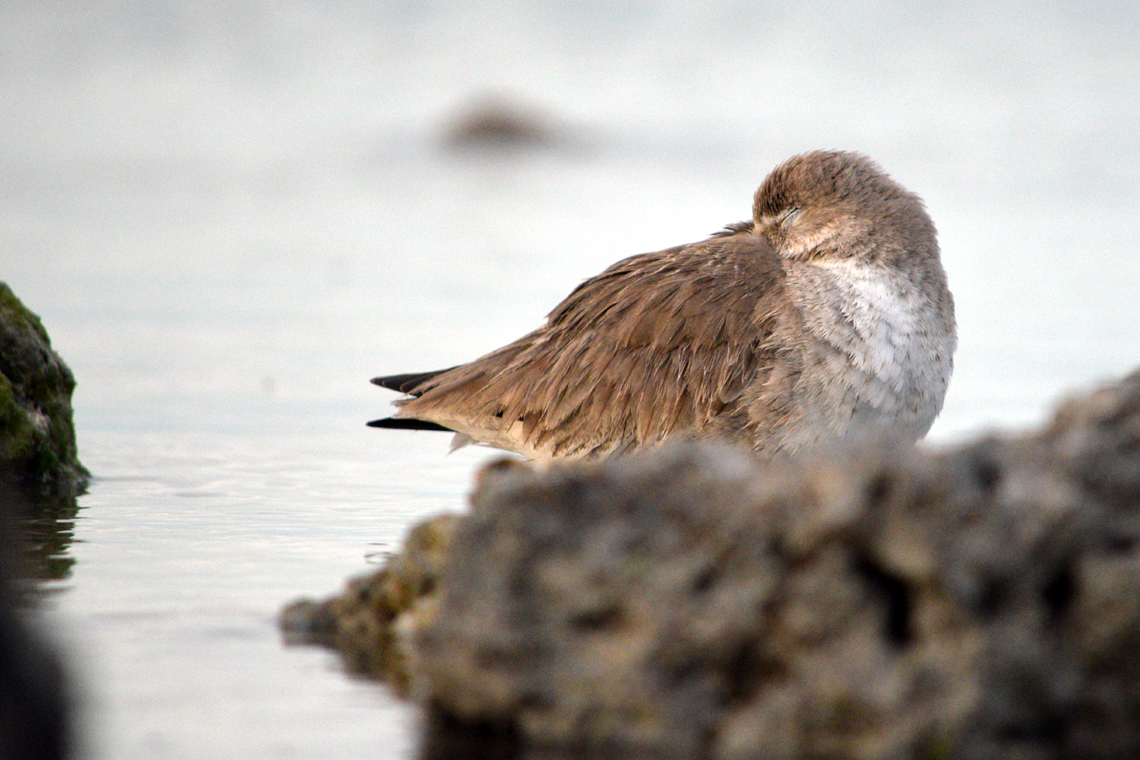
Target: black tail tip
[
  {"x": 407, "y": 382},
  {"x": 393, "y": 423}
]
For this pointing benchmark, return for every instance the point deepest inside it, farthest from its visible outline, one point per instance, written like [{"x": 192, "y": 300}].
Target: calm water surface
[{"x": 229, "y": 220}]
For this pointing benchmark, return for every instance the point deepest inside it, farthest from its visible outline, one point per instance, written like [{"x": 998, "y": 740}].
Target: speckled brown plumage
[{"x": 826, "y": 314}]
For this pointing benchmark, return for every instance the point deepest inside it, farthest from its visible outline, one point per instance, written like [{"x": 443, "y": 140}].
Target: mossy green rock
[{"x": 37, "y": 435}]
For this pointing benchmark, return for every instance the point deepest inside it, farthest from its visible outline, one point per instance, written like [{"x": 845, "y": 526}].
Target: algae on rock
[
  {"x": 37, "y": 434},
  {"x": 367, "y": 622}
]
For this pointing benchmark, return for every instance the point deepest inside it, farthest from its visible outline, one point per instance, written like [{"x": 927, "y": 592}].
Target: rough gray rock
[
  {"x": 37, "y": 435},
  {"x": 976, "y": 602}
]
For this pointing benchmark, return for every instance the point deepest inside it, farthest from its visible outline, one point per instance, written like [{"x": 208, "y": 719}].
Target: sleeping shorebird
[{"x": 826, "y": 316}]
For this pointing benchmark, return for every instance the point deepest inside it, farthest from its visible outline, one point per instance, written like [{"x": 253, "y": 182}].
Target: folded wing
[{"x": 657, "y": 345}]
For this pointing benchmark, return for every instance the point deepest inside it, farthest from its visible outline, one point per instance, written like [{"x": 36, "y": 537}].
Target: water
[{"x": 229, "y": 218}]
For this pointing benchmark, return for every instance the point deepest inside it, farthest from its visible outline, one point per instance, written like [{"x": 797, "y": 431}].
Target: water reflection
[
  {"x": 46, "y": 533},
  {"x": 34, "y": 703},
  {"x": 39, "y": 527},
  {"x": 443, "y": 738}
]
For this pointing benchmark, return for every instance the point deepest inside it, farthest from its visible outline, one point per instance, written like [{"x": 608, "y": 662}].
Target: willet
[{"x": 826, "y": 316}]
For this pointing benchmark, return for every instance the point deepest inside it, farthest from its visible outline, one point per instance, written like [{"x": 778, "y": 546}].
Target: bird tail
[
  {"x": 408, "y": 382},
  {"x": 399, "y": 423}
]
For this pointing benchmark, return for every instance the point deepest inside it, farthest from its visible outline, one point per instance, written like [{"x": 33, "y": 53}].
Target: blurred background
[{"x": 231, "y": 215}]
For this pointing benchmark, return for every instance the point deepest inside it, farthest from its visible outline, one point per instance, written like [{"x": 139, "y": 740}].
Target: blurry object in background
[
  {"x": 37, "y": 435},
  {"x": 496, "y": 121}
]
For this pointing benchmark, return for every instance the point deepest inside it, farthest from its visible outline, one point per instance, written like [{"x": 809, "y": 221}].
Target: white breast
[{"x": 891, "y": 349}]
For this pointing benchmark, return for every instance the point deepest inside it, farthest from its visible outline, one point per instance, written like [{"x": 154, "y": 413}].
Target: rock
[
  {"x": 689, "y": 604},
  {"x": 976, "y": 602},
  {"x": 37, "y": 435}
]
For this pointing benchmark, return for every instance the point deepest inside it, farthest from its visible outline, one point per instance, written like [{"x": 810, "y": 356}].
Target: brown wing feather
[{"x": 657, "y": 344}]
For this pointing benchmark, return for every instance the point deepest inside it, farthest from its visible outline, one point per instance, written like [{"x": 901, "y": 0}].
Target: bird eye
[{"x": 791, "y": 215}]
